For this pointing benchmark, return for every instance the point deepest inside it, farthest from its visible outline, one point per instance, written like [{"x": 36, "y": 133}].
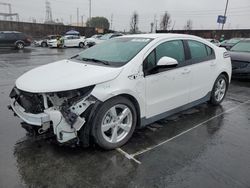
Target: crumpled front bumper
[
  {"x": 33, "y": 119},
  {"x": 63, "y": 131}
]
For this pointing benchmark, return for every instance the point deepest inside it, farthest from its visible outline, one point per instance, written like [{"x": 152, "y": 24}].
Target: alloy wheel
[
  {"x": 116, "y": 123},
  {"x": 220, "y": 89}
]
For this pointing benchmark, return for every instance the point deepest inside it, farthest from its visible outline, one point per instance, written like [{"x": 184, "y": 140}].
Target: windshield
[
  {"x": 116, "y": 52},
  {"x": 233, "y": 41},
  {"x": 243, "y": 46},
  {"x": 105, "y": 37}
]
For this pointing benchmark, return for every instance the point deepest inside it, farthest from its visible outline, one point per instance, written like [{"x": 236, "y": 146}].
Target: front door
[{"x": 166, "y": 88}]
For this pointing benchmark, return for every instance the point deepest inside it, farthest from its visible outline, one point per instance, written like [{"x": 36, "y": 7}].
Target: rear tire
[
  {"x": 19, "y": 45},
  {"x": 219, "y": 90},
  {"x": 114, "y": 123},
  {"x": 81, "y": 45}
]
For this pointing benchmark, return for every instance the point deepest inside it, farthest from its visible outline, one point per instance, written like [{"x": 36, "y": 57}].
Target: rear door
[
  {"x": 11, "y": 39},
  {"x": 166, "y": 88},
  {"x": 203, "y": 65},
  {"x": 67, "y": 41},
  {"x": 73, "y": 41},
  {"x": 76, "y": 40},
  {"x": 7, "y": 39}
]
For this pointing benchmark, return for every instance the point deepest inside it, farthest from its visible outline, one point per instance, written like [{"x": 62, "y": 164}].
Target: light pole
[
  {"x": 89, "y": 9},
  {"x": 225, "y": 13}
]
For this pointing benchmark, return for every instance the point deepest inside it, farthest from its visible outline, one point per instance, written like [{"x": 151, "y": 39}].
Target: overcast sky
[{"x": 203, "y": 13}]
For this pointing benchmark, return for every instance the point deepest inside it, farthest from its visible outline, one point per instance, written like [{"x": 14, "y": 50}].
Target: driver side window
[{"x": 173, "y": 49}]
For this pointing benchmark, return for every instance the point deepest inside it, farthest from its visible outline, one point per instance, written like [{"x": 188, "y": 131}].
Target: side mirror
[{"x": 167, "y": 61}]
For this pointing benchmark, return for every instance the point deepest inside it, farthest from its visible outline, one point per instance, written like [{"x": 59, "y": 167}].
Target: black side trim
[
  {"x": 150, "y": 120},
  {"x": 85, "y": 132}
]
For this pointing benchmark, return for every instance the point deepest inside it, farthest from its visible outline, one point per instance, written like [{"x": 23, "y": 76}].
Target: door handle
[{"x": 186, "y": 71}]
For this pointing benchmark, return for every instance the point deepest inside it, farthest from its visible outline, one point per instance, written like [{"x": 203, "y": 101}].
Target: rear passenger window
[
  {"x": 197, "y": 49},
  {"x": 172, "y": 49},
  {"x": 200, "y": 51}
]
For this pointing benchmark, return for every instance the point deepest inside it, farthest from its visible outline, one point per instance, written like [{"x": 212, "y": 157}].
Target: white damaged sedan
[{"x": 105, "y": 92}]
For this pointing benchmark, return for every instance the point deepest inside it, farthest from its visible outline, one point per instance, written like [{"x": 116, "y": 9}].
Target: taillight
[
  {"x": 29, "y": 39},
  {"x": 226, "y": 55}
]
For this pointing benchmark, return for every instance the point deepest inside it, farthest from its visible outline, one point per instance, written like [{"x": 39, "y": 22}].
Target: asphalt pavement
[{"x": 205, "y": 146}]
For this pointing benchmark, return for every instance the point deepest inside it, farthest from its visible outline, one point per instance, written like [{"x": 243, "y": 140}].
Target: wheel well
[
  {"x": 226, "y": 75},
  {"x": 19, "y": 41},
  {"x": 137, "y": 107}
]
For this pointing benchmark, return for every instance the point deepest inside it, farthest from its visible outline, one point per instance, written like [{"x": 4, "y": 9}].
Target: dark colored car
[
  {"x": 240, "y": 56},
  {"x": 44, "y": 42},
  {"x": 230, "y": 43},
  {"x": 14, "y": 39}
]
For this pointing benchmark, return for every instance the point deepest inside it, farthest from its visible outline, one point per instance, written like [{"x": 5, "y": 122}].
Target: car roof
[
  {"x": 162, "y": 36},
  {"x": 10, "y": 32},
  {"x": 52, "y": 35},
  {"x": 246, "y": 39}
]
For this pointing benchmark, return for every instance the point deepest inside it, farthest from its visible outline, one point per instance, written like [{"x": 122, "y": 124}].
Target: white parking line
[
  {"x": 153, "y": 147},
  {"x": 128, "y": 156}
]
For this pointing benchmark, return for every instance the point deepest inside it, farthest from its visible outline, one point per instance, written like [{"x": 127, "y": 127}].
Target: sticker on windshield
[{"x": 140, "y": 40}]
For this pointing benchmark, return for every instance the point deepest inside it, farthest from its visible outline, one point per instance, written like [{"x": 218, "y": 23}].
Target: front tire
[
  {"x": 114, "y": 123},
  {"x": 44, "y": 44},
  {"x": 219, "y": 90}
]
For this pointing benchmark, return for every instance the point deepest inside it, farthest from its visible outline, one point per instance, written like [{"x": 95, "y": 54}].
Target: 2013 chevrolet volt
[{"x": 103, "y": 93}]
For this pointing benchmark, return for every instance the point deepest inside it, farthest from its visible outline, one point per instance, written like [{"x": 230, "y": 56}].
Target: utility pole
[
  {"x": 82, "y": 20},
  {"x": 89, "y": 9},
  {"x": 225, "y": 13},
  {"x": 48, "y": 17},
  {"x": 77, "y": 16},
  {"x": 70, "y": 19}
]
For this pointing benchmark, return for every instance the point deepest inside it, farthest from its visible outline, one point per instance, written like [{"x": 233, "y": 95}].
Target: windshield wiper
[
  {"x": 96, "y": 60},
  {"x": 73, "y": 57}
]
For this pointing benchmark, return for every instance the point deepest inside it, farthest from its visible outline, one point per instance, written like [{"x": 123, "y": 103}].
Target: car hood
[
  {"x": 65, "y": 75},
  {"x": 240, "y": 56}
]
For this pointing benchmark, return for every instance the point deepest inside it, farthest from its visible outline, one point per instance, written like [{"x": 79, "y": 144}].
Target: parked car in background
[
  {"x": 107, "y": 37},
  {"x": 240, "y": 56},
  {"x": 14, "y": 39},
  {"x": 214, "y": 41},
  {"x": 103, "y": 93},
  {"x": 91, "y": 41},
  {"x": 44, "y": 42},
  {"x": 69, "y": 41},
  {"x": 230, "y": 43}
]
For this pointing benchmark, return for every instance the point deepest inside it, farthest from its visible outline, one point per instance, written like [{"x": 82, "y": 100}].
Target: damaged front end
[{"x": 59, "y": 113}]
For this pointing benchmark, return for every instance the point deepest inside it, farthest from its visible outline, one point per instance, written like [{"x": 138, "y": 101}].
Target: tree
[
  {"x": 134, "y": 23},
  {"x": 189, "y": 25},
  {"x": 165, "y": 21},
  {"x": 98, "y": 22}
]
